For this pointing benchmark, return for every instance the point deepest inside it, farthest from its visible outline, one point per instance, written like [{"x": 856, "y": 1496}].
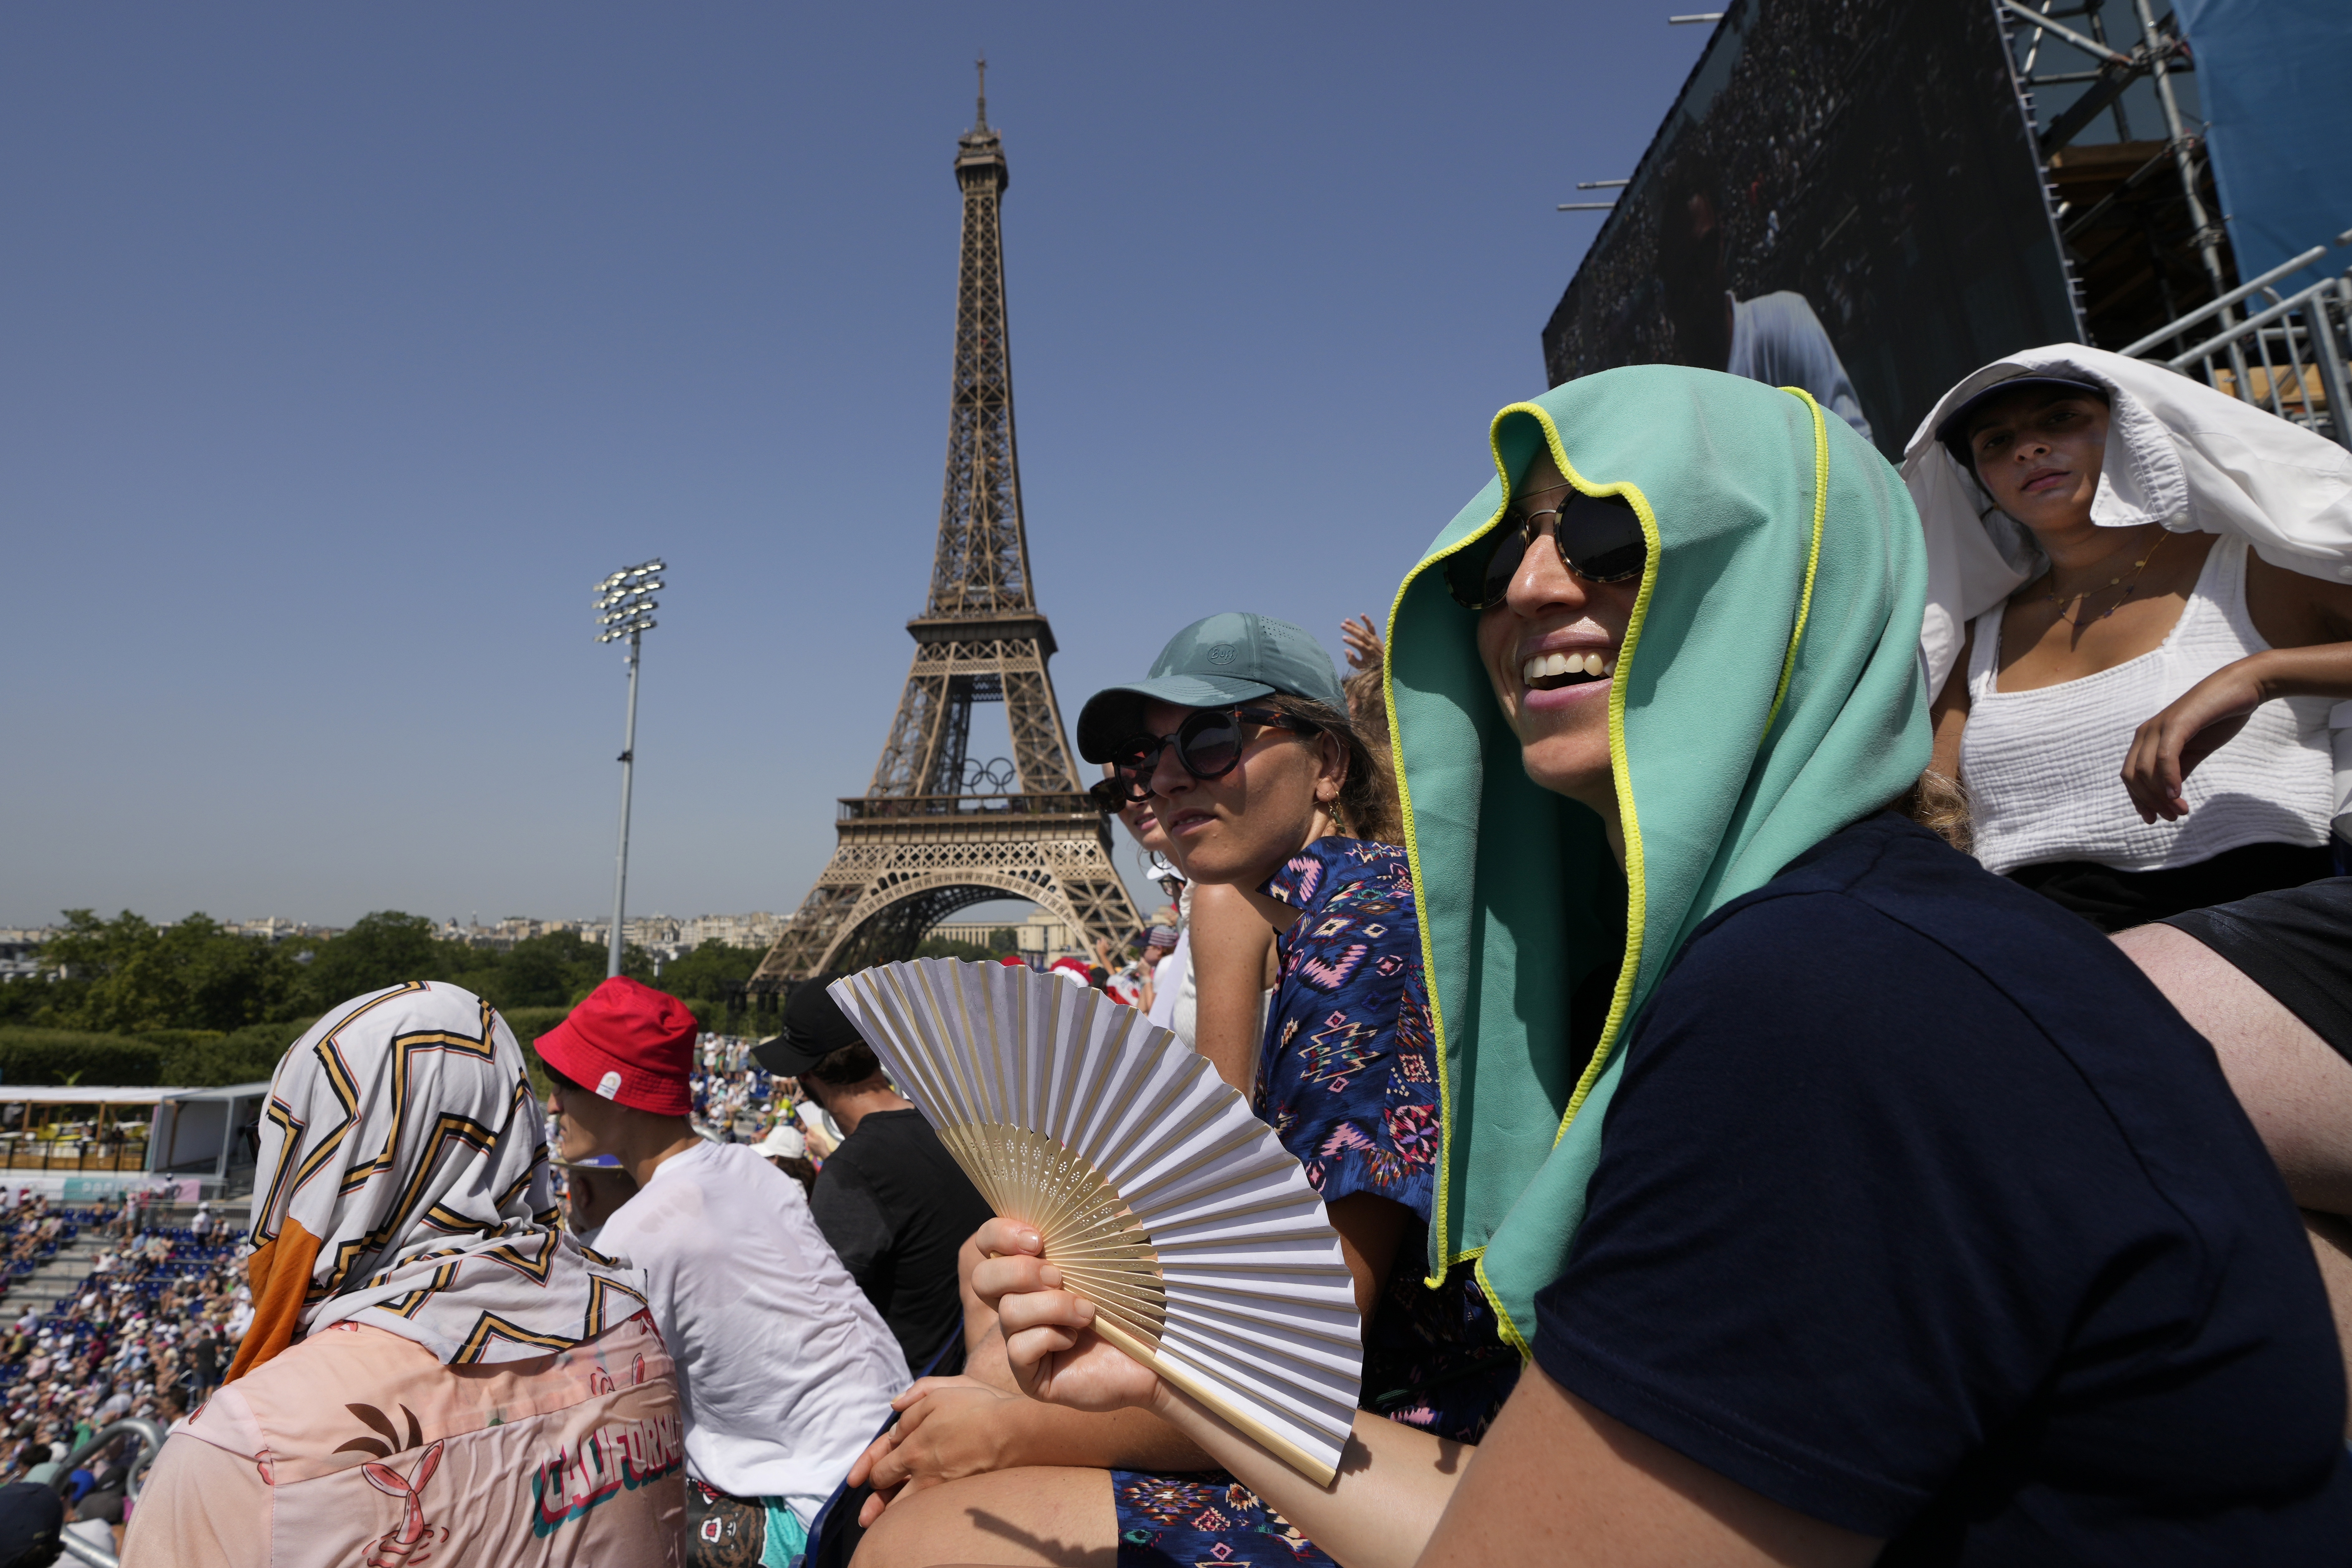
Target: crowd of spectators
[
  {"x": 146, "y": 1332},
  {"x": 735, "y": 1098}
]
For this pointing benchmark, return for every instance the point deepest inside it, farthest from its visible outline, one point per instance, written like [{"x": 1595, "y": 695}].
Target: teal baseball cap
[{"x": 1213, "y": 663}]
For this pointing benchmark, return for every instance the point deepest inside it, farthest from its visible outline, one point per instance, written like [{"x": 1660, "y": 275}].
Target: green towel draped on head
[{"x": 1768, "y": 693}]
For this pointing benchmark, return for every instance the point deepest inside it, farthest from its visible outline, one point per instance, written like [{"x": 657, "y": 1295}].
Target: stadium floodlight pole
[{"x": 624, "y": 605}]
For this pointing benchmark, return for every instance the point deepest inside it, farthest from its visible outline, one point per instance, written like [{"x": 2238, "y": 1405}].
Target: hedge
[
  {"x": 242, "y": 1056},
  {"x": 44, "y": 1058},
  {"x": 196, "y": 1059},
  {"x": 184, "y": 1058},
  {"x": 529, "y": 1023}
]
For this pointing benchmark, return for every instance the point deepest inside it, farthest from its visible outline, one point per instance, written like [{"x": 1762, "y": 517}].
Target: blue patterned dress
[{"x": 1347, "y": 1081}]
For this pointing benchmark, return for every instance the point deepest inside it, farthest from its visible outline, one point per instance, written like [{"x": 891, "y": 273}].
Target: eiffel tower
[{"x": 938, "y": 831}]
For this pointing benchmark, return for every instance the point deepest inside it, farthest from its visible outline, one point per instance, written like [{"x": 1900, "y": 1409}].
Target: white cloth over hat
[{"x": 2178, "y": 454}]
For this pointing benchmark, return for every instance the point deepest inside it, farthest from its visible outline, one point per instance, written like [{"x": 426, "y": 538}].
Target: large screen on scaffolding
[{"x": 1845, "y": 197}]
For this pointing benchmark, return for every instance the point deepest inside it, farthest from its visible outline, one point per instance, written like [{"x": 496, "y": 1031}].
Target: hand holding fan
[{"x": 1160, "y": 1197}]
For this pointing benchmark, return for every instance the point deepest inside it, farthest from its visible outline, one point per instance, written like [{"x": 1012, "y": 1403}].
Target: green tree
[
  {"x": 382, "y": 948},
  {"x": 126, "y": 974},
  {"x": 714, "y": 971},
  {"x": 710, "y": 980},
  {"x": 1000, "y": 943},
  {"x": 24, "y": 1002},
  {"x": 550, "y": 971}
]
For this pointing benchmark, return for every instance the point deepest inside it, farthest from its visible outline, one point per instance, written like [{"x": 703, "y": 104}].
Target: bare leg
[
  {"x": 2295, "y": 1088},
  {"x": 1011, "y": 1519}
]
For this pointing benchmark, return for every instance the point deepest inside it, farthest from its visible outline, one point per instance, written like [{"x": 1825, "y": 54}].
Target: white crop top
[{"x": 2043, "y": 768}]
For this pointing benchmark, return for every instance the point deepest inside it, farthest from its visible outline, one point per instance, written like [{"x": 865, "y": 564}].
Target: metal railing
[
  {"x": 35, "y": 1152},
  {"x": 2289, "y": 357},
  {"x": 149, "y": 1435},
  {"x": 965, "y": 807}
]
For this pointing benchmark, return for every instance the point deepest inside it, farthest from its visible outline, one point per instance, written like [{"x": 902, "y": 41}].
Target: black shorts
[
  {"x": 2117, "y": 900},
  {"x": 2296, "y": 944}
]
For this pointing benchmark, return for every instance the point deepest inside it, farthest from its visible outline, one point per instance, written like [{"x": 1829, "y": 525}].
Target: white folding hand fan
[{"x": 1158, "y": 1196}]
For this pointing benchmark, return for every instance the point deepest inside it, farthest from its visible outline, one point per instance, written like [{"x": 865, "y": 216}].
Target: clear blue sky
[{"x": 345, "y": 347}]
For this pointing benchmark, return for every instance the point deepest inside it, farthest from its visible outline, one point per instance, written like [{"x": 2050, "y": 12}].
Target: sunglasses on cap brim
[
  {"x": 1208, "y": 745},
  {"x": 1598, "y": 539}
]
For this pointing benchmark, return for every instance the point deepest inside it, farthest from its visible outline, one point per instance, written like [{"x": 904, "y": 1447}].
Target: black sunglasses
[
  {"x": 1109, "y": 796},
  {"x": 1209, "y": 745},
  {"x": 1598, "y": 539}
]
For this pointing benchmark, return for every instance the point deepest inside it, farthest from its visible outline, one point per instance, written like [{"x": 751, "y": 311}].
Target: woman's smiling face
[{"x": 1550, "y": 650}]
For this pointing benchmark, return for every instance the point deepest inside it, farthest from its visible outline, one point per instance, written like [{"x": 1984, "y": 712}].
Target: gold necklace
[{"x": 2128, "y": 583}]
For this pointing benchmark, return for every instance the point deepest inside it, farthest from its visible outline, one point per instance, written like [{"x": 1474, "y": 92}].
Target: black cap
[
  {"x": 814, "y": 1027},
  {"x": 31, "y": 1516},
  {"x": 1954, "y": 431}
]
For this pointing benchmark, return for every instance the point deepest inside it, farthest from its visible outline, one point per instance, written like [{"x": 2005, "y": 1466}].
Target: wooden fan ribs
[
  {"x": 1029, "y": 1176},
  {"x": 1156, "y": 1191}
]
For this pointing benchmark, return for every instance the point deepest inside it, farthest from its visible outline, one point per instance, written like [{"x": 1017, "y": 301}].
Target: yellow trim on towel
[
  {"x": 1628, "y": 817},
  {"x": 1503, "y": 1324},
  {"x": 1636, "y": 882},
  {"x": 1813, "y": 559},
  {"x": 1442, "y": 1210},
  {"x": 1412, "y": 865}
]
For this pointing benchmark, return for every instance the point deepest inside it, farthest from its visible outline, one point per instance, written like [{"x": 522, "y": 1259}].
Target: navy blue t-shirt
[{"x": 1921, "y": 1212}]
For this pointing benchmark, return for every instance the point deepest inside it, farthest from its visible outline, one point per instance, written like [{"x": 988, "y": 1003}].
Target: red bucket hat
[{"x": 629, "y": 1042}]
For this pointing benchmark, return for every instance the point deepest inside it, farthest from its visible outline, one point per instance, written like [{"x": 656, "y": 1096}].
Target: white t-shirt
[
  {"x": 1168, "y": 981},
  {"x": 1176, "y": 1005},
  {"x": 784, "y": 1369}
]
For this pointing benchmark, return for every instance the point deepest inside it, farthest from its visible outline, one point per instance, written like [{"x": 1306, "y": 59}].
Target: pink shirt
[{"x": 358, "y": 1440}]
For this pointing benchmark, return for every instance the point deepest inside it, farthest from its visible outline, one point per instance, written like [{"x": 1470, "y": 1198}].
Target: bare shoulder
[
  {"x": 1954, "y": 697},
  {"x": 1226, "y": 924},
  {"x": 2293, "y": 610},
  {"x": 1948, "y": 715}
]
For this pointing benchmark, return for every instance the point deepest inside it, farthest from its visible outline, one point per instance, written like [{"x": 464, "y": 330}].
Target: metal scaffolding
[
  {"x": 2286, "y": 353},
  {"x": 2140, "y": 247}
]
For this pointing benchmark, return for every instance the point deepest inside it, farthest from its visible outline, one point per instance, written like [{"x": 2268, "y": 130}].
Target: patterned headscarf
[{"x": 403, "y": 1184}]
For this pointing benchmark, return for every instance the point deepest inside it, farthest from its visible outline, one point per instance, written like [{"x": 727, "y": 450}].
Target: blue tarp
[{"x": 2275, "y": 77}]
